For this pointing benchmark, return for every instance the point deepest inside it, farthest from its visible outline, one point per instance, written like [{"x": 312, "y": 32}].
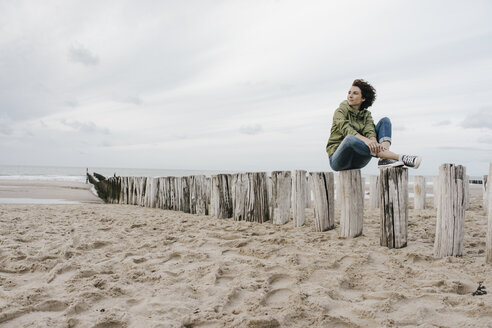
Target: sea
[{"x": 78, "y": 174}]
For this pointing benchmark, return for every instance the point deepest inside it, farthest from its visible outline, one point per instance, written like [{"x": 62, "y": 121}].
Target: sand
[
  {"x": 46, "y": 192},
  {"x": 98, "y": 265}
]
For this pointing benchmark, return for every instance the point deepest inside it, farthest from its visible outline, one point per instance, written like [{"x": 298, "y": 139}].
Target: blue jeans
[{"x": 353, "y": 153}]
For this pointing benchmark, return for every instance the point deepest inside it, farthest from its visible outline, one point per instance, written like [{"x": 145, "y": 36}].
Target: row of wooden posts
[{"x": 257, "y": 198}]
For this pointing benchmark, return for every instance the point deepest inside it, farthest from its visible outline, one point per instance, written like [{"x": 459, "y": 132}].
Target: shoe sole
[
  {"x": 395, "y": 164},
  {"x": 417, "y": 164}
]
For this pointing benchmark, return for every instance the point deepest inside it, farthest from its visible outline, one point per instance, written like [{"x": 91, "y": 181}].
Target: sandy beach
[
  {"x": 99, "y": 265},
  {"x": 46, "y": 192}
]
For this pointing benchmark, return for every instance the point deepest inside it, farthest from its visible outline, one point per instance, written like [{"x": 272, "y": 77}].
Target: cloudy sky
[{"x": 239, "y": 85}]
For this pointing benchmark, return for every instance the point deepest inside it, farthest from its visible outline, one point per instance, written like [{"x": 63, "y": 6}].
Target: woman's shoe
[
  {"x": 411, "y": 161},
  {"x": 386, "y": 162}
]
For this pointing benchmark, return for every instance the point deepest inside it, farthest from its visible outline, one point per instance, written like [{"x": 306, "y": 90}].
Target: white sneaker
[{"x": 411, "y": 161}]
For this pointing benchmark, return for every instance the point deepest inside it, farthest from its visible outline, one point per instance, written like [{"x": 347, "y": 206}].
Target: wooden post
[
  {"x": 308, "y": 193},
  {"x": 394, "y": 206},
  {"x": 152, "y": 192},
  {"x": 419, "y": 192},
  {"x": 451, "y": 211},
  {"x": 198, "y": 195},
  {"x": 161, "y": 193},
  {"x": 435, "y": 191},
  {"x": 239, "y": 190},
  {"x": 250, "y": 197},
  {"x": 363, "y": 183},
  {"x": 374, "y": 191},
  {"x": 185, "y": 194},
  {"x": 488, "y": 242},
  {"x": 169, "y": 193},
  {"x": 220, "y": 199},
  {"x": 281, "y": 196},
  {"x": 143, "y": 191},
  {"x": 352, "y": 203},
  {"x": 485, "y": 193},
  {"x": 299, "y": 198},
  {"x": 122, "y": 191},
  {"x": 338, "y": 191},
  {"x": 323, "y": 186}
]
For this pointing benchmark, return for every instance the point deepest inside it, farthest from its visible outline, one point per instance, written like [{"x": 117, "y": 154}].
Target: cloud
[
  {"x": 71, "y": 103},
  {"x": 481, "y": 118},
  {"x": 5, "y": 129},
  {"x": 136, "y": 100},
  {"x": 442, "y": 123},
  {"x": 487, "y": 138},
  {"x": 251, "y": 129},
  {"x": 88, "y": 127},
  {"x": 82, "y": 55}
]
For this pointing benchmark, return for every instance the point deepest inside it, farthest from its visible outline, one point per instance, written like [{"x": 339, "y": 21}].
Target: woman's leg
[
  {"x": 383, "y": 131},
  {"x": 351, "y": 154}
]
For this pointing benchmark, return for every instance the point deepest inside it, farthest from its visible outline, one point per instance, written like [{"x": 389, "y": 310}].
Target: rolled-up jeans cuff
[{"x": 383, "y": 139}]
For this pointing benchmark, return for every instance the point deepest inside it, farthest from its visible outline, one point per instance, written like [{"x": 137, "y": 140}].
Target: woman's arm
[{"x": 372, "y": 143}]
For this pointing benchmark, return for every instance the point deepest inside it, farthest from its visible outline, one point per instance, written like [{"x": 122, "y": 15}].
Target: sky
[{"x": 240, "y": 85}]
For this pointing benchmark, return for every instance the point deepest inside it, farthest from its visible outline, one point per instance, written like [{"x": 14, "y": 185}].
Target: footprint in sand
[
  {"x": 173, "y": 258},
  {"x": 223, "y": 281},
  {"x": 278, "y": 281},
  {"x": 278, "y": 297},
  {"x": 234, "y": 300}
]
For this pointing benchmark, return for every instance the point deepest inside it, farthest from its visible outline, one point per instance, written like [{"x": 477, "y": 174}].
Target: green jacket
[{"x": 347, "y": 120}]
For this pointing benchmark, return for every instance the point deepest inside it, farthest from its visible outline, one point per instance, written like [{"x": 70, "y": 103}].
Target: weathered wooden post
[
  {"x": 131, "y": 190},
  {"x": 250, "y": 197},
  {"x": 488, "y": 242},
  {"x": 220, "y": 199},
  {"x": 198, "y": 195},
  {"x": 451, "y": 211},
  {"x": 435, "y": 191},
  {"x": 308, "y": 193},
  {"x": 239, "y": 189},
  {"x": 281, "y": 196},
  {"x": 185, "y": 194},
  {"x": 169, "y": 192},
  {"x": 161, "y": 193},
  {"x": 419, "y": 192},
  {"x": 485, "y": 193},
  {"x": 394, "y": 206},
  {"x": 352, "y": 203},
  {"x": 374, "y": 191},
  {"x": 208, "y": 192},
  {"x": 323, "y": 186},
  {"x": 299, "y": 198},
  {"x": 467, "y": 192},
  {"x": 143, "y": 191},
  {"x": 338, "y": 191},
  {"x": 152, "y": 189},
  {"x": 122, "y": 191},
  {"x": 269, "y": 188}
]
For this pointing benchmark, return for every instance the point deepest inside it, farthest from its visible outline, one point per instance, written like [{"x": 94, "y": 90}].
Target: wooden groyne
[{"x": 283, "y": 198}]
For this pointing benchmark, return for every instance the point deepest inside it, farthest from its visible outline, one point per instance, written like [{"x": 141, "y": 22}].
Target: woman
[{"x": 354, "y": 138}]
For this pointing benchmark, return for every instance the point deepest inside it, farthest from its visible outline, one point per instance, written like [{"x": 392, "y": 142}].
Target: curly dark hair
[{"x": 368, "y": 93}]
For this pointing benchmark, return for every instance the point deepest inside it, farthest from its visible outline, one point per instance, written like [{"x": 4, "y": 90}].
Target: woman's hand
[{"x": 373, "y": 145}]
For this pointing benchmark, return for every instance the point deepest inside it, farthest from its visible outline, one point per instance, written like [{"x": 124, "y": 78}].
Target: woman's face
[{"x": 354, "y": 97}]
